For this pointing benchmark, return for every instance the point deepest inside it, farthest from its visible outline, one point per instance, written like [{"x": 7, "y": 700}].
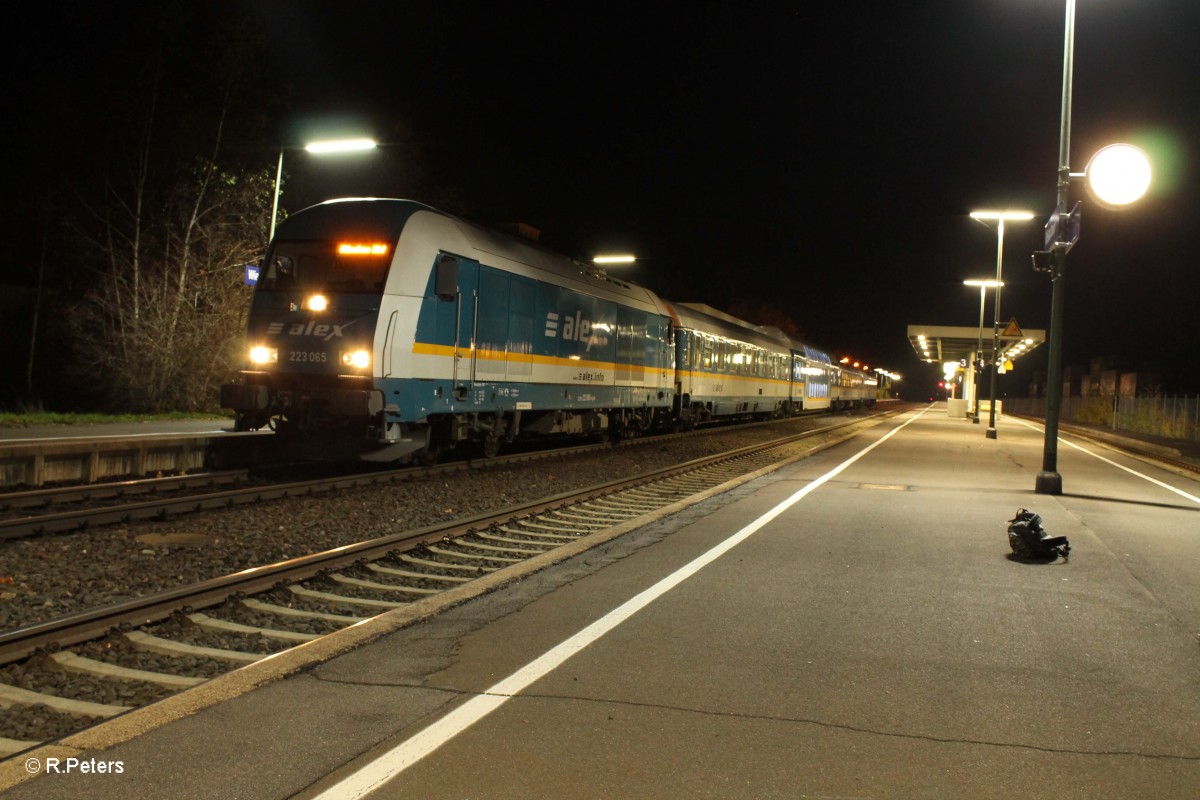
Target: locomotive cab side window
[
  {"x": 446, "y": 279},
  {"x": 327, "y": 267}
]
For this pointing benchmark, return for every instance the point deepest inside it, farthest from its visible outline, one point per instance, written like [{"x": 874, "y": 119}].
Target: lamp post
[
  {"x": 1129, "y": 170},
  {"x": 983, "y": 285},
  {"x": 332, "y": 146},
  {"x": 1000, "y": 217}
]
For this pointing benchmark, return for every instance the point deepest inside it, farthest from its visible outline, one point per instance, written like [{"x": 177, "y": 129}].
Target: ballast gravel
[{"x": 43, "y": 577}]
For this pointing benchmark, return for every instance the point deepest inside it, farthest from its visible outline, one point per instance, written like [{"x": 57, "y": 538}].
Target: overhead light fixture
[{"x": 340, "y": 146}]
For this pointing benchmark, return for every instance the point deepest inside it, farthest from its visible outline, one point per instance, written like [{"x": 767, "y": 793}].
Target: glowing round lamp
[{"x": 1119, "y": 174}]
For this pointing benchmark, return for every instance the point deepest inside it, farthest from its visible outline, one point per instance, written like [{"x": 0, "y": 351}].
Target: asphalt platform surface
[{"x": 862, "y": 633}]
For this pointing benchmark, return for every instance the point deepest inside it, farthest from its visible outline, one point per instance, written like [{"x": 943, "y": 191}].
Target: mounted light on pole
[
  {"x": 1117, "y": 176},
  {"x": 316, "y": 148},
  {"x": 999, "y": 217},
  {"x": 983, "y": 285}
]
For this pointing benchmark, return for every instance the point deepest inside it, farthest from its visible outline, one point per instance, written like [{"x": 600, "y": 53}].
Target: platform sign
[{"x": 1056, "y": 235}]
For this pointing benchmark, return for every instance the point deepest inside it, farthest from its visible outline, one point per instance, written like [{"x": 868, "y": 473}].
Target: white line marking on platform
[
  {"x": 1166, "y": 486},
  {"x": 387, "y": 766}
]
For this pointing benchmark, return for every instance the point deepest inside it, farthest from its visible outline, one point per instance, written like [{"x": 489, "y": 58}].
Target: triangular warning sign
[{"x": 1013, "y": 329}]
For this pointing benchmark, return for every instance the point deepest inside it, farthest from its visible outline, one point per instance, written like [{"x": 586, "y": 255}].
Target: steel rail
[{"x": 37, "y": 498}]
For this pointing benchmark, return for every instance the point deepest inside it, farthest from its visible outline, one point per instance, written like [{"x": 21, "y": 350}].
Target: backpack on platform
[{"x": 1028, "y": 539}]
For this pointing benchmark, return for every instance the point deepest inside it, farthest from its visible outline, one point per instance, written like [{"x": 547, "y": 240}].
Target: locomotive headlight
[
  {"x": 264, "y": 355},
  {"x": 317, "y": 302},
  {"x": 358, "y": 359}
]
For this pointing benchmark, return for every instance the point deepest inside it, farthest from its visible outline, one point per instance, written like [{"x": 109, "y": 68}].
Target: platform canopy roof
[{"x": 939, "y": 344}]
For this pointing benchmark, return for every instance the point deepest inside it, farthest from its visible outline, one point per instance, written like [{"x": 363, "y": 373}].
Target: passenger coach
[{"x": 726, "y": 367}]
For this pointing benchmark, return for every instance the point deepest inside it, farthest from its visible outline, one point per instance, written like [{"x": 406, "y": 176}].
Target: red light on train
[{"x": 356, "y": 249}]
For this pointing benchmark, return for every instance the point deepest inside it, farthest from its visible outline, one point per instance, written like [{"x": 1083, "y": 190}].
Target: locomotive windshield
[{"x": 354, "y": 267}]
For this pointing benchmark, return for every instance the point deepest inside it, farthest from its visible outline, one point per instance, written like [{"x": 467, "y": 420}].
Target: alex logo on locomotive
[
  {"x": 322, "y": 330},
  {"x": 575, "y": 328}
]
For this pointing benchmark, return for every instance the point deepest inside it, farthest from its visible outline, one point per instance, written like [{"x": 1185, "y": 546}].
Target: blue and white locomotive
[{"x": 387, "y": 330}]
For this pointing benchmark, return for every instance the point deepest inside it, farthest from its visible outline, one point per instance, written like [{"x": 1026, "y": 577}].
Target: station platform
[
  {"x": 850, "y": 626},
  {"x": 42, "y": 434}
]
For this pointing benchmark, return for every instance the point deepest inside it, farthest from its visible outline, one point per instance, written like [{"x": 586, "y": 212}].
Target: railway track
[
  {"x": 61, "y": 510},
  {"x": 73, "y": 671},
  {"x": 1163, "y": 455},
  {"x": 106, "y": 504},
  {"x": 36, "y": 500}
]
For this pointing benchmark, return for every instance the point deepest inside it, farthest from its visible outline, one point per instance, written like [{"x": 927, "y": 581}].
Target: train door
[
  {"x": 503, "y": 327},
  {"x": 458, "y": 282},
  {"x": 632, "y": 348}
]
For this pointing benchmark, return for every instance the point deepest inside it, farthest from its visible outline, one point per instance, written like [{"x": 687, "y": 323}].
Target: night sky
[{"x": 819, "y": 159}]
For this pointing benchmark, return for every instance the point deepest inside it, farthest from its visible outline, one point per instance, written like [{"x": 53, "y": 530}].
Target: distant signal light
[{"x": 354, "y": 249}]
